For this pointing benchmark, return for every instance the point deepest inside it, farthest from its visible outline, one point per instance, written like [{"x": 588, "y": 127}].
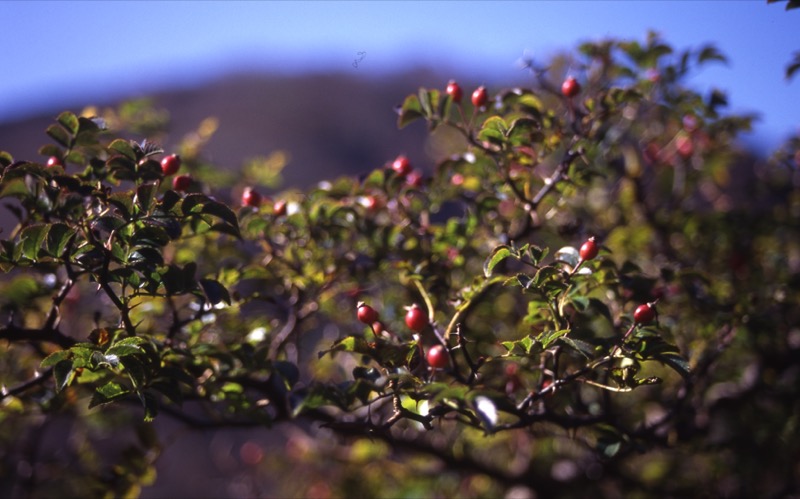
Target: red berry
[
  {"x": 684, "y": 145},
  {"x": 454, "y": 91},
  {"x": 366, "y": 314},
  {"x": 401, "y": 166},
  {"x": 279, "y": 208},
  {"x": 416, "y": 320},
  {"x": 570, "y": 88},
  {"x": 644, "y": 313},
  {"x": 414, "y": 179},
  {"x": 437, "y": 357},
  {"x": 371, "y": 203},
  {"x": 171, "y": 164},
  {"x": 54, "y": 161},
  {"x": 479, "y": 97},
  {"x": 589, "y": 249},
  {"x": 181, "y": 183},
  {"x": 250, "y": 197}
]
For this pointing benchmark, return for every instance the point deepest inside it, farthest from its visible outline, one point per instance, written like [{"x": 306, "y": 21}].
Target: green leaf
[
  {"x": 544, "y": 274},
  {"x": 794, "y": 65},
  {"x": 123, "y": 147},
  {"x": 173, "y": 279},
  {"x": 131, "y": 340},
  {"x": 57, "y": 238},
  {"x": 215, "y": 292},
  {"x": 145, "y": 194},
  {"x": 411, "y": 110},
  {"x": 64, "y": 373},
  {"x": 220, "y": 210},
  {"x": 548, "y": 337},
  {"x": 523, "y": 280},
  {"x": 527, "y": 343},
  {"x": 521, "y": 131},
  {"x": 193, "y": 203},
  {"x": 676, "y": 362},
  {"x": 69, "y": 121},
  {"x": 5, "y": 159},
  {"x": 123, "y": 168},
  {"x": 584, "y": 348},
  {"x": 32, "y": 238},
  {"x": 120, "y": 350},
  {"x": 60, "y": 135},
  {"x": 150, "y": 404},
  {"x": 123, "y": 202},
  {"x": 426, "y": 102},
  {"x": 54, "y": 358},
  {"x": 150, "y": 236},
  {"x": 349, "y": 344},
  {"x": 710, "y": 53},
  {"x": 108, "y": 393},
  {"x": 493, "y": 130},
  {"x": 498, "y": 254},
  {"x": 135, "y": 369}
]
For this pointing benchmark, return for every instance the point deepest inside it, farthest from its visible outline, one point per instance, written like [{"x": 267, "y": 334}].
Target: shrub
[{"x": 664, "y": 363}]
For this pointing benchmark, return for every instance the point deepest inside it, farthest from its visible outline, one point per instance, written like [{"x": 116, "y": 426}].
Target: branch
[{"x": 14, "y": 333}]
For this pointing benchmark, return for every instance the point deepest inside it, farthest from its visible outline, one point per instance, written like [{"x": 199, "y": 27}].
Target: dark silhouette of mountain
[{"x": 330, "y": 124}]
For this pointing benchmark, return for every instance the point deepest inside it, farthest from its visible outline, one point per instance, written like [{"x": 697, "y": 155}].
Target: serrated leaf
[
  {"x": 108, "y": 393},
  {"x": 131, "y": 340},
  {"x": 220, "y": 210},
  {"x": 794, "y": 65},
  {"x": 63, "y": 373},
  {"x": 215, "y": 292},
  {"x": 498, "y": 254},
  {"x": 60, "y": 135},
  {"x": 69, "y": 121},
  {"x": 5, "y": 159},
  {"x": 586, "y": 349},
  {"x": 136, "y": 370},
  {"x": 527, "y": 343},
  {"x": 145, "y": 194},
  {"x": 520, "y": 131},
  {"x": 57, "y": 238},
  {"x": 710, "y": 53},
  {"x": 32, "y": 238},
  {"x": 54, "y": 358},
  {"x": 349, "y": 344},
  {"x": 411, "y": 110},
  {"x": 120, "y": 350},
  {"x": 548, "y": 337},
  {"x": 150, "y": 236},
  {"x": 676, "y": 362},
  {"x": 123, "y": 168},
  {"x": 523, "y": 280},
  {"x": 123, "y": 147},
  {"x": 493, "y": 130},
  {"x": 509, "y": 345}
]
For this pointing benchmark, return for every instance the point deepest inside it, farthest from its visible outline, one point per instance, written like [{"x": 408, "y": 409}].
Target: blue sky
[{"x": 55, "y": 52}]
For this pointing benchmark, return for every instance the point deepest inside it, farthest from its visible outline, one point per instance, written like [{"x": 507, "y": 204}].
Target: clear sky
[{"x": 54, "y": 52}]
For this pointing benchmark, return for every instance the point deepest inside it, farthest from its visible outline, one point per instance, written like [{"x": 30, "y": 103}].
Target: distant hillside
[{"x": 330, "y": 124}]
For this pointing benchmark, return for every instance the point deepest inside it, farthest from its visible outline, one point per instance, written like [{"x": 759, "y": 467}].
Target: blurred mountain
[{"x": 329, "y": 124}]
